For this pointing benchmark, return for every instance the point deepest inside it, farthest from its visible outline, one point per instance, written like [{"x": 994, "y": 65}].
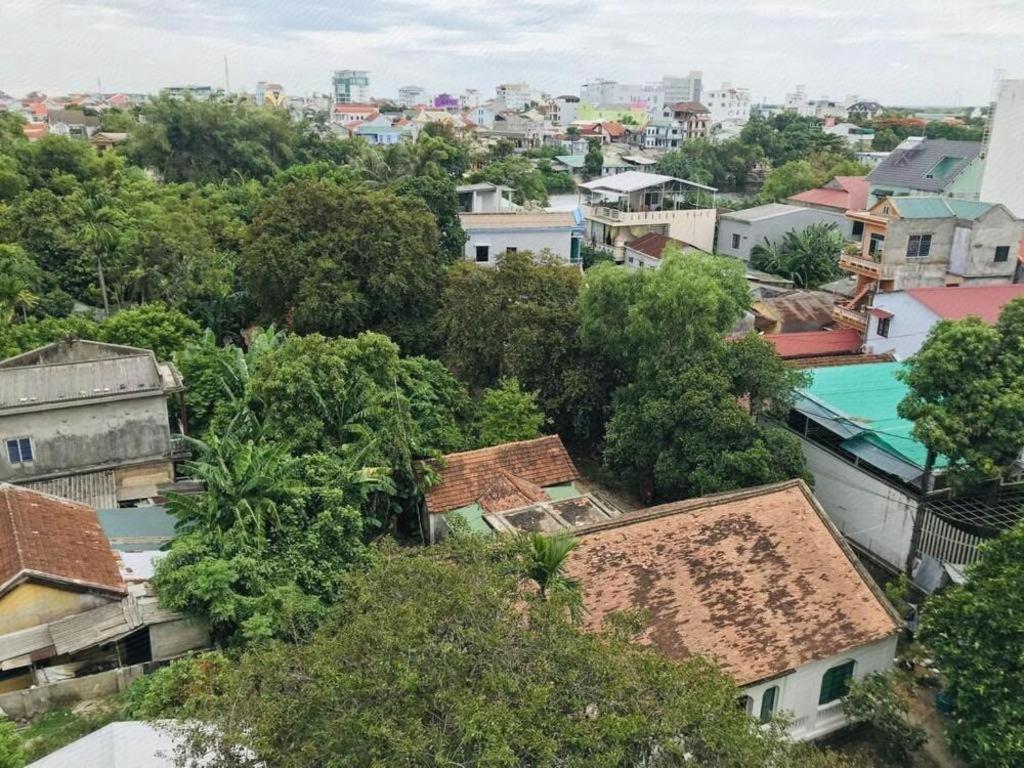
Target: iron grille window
[
  {"x": 835, "y": 683},
  {"x": 919, "y": 246},
  {"x": 19, "y": 450},
  {"x": 1002, "y": 253}
]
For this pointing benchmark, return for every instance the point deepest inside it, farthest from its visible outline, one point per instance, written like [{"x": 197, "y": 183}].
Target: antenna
[
  {"x": 227, "y": 79},
  {"x": 99, "y": 84}
]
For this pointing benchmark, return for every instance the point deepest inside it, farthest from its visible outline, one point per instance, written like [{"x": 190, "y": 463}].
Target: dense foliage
[
  {"x": 468, "y": 681},
  {"x": 808, "y": 257},
  {"x": 976, "y": 634},
  {"x": 882, "y": 701}
]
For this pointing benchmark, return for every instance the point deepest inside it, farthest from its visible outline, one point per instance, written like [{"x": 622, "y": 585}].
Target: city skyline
[{"x": 921, "y": 53}]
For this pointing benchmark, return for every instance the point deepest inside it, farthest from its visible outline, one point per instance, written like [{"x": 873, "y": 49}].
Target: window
[
  {"x": 835, "y": 683},
  {"x": 883, "y": 326},
  {"x": 483, "y": 253},
  {"x": 1002, "y": 253},
  {"x": 735, "y": 241},
  {"x": 858, "y": 229},
  {"x": 768, "y": 703},
  {"x": 919, "y": 246},
  {"x": 745, "y": 704},
  {"x": 19, "y": 450},
  {"x": 876, "y": 244},
  {"x": 511, "y": 250}
]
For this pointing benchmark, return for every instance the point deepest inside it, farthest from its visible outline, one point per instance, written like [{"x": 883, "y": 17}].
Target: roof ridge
[{"x": 6, "y": 488}]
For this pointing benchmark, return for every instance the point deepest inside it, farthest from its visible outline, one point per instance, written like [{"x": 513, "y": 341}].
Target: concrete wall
[
  {"x": 799, "y": 690},
  {"x": 695, "y": 226},
  {"x": 173, "y": 638},
  {"x": 773, "y": 228},
  {"x": 908, "y": 328},
  {"x": 30, "y": 604},
  {"x": 996, "y": 228},
  {"x": 874, "y": 514},
  {"x": 29, "y": 702},
  {"x": 558, "y": 241},
  {"x": 1004, "y": 164},
  {"x": 90, "y": 435}
]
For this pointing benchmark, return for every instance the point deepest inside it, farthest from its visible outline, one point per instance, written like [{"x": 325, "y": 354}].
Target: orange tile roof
[
  {"x": 758, "y": 580},
  {"x": 53, "y": 539},
  {"x": 815, "y": 343},
  {"x": 501, "y": 477}
]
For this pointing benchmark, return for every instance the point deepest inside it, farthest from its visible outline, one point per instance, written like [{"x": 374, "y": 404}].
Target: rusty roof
[
  {"x": 758, "y": 580},
  {"x": 53, "y": 539},
  {"x": 501, "y": 477}
]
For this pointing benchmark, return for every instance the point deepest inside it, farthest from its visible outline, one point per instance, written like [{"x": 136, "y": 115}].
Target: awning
[{"x": 864, "y": 449}]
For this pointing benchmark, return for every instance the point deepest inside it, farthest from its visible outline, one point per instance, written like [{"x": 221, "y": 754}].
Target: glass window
[
  {"x": 768, "y": 703},
  {"x": 511, "y": 250},
  {"x": 19, "y": 450},
  {"x": 883, "y": 326},
  {"x": 1002, "y": 253},
  {"x": 483, "y": 253},
  {"x": 835, "y": 683},
  {"x": 858, "y": 229},
  {"x": 735, "y": 241},
  {"x": 876, "y": 244},
  {"x": 745, "y": 704},
  {"x": 919, "y": 246}
]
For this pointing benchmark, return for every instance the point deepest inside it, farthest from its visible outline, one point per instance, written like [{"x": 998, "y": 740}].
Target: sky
[{"x": 910, "y": 52}]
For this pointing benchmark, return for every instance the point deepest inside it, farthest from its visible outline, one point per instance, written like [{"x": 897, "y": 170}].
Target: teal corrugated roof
[
  {"x": 135, "y": 529},
  {"x": 473, "y": 514},
  {"x": 573, "y": 161},
  {"x": 939, "y": 208},
  {"x": 867, "y": 395}
]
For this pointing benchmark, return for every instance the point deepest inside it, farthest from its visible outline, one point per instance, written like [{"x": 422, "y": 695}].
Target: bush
[{"x": 881, "y": 700}]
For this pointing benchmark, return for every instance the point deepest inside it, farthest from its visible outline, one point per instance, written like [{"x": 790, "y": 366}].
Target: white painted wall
[
  {"x": 1004, "y": 162},
  {"x": 799, "y": 690},
  {"x": 558, "y": 241},
  {"x": 908, "y": 328},
  {"x": 872, "y": 513},
  {"x": 695, "y": 226}
]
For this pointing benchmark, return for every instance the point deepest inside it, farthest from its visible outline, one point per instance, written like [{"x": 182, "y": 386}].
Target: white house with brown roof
[
  {"x": 647, "y": 251},
  {"x": 491, "y": 235},
  {"x": 758, "y": 580}
]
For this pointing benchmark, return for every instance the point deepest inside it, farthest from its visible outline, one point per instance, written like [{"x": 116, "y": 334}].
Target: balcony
[
  {"x": 181, "y": 449},
  {"x": 859, "y": 265},
  {"x": 615, "y": 216},
  {"x": 849, "y": 318}
]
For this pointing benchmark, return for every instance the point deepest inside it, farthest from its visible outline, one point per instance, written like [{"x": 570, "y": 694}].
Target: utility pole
[{"x": 227, "y": 80}]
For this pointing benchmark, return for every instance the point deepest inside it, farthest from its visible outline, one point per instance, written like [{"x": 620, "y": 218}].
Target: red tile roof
[
  {"x": 365, "y": 109},
  {"x": 758, "y": 580},
  {"x": 844, "y": 193},
  {"x": 956, "y": 303},
  {"x": 53, "y": 539},
  {"x": 501, "y": 477},
  {"x": 33, "y": 131},
  {"x": 844, "y": 341},
  {"x": 653, "y": 244},
  {"x": 613, "y": 129}
]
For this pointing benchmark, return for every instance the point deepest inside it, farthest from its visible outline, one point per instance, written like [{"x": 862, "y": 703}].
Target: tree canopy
[{"x": 808, "y": 257}]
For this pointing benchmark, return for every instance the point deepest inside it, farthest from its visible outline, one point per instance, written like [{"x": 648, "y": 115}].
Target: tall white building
[
  {"x": 351, "y": 86},
  {"x": 515, "y": 96},
  {"x": 410, "y": 95},
  {"x": 798, "y": 102},
  {"x": 1004, "y": 150},
  {"x": 689, "y": 88},
  {"x": 728, "y": 104}
]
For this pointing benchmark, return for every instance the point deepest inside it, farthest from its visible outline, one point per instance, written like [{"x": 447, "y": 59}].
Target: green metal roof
[
  {"x": 473, "y": 514},
  {"x": 136, "y": 529},
  {"x": 866, "y": 397},
  {"x": 927, "y": 207},
  {"x": 573, "y": 161}
]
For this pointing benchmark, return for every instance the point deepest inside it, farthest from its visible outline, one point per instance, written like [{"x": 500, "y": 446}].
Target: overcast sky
[{"x": 902, "y": 52}]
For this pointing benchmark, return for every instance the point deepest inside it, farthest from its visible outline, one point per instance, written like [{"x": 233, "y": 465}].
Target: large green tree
[
  {"x": 977, "y": 636},
  {"x": 966, "y": 394},
  {"x": 343, "y": 260},
  {"x": 481, "y": 671}
]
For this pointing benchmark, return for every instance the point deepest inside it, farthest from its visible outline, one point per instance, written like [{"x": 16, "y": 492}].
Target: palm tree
[
  {"x": 99, "y": 233},
  {"x": 546, "y": 567},
  {"x": 808, "y": 257},
  {"x": 15, "y": 294}
]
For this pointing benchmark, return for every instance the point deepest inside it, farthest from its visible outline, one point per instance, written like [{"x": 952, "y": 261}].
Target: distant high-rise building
[
  {"x": 411, "y": 95},
  {"x": 728, "y": 104},
  {"x": 689, "y": 88},
  {"x": 602, "y": 92},
  {"x": 351, "y": 86},
  {"x": 1004, "y": 150},
  {"x": 515, "y": 96}
]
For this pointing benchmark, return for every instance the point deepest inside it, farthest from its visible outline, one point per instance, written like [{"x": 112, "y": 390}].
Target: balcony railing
[
  {"x": 632, "y": 217},
  {"x": 832, "y": 711},
  {"x": 861, "y": 266},
  {"x": 180, "y": 448},
  {"x": 850, "y": 318}
]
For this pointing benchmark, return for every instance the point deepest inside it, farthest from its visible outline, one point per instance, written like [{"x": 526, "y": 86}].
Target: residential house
[
  {"x": 483, "y": 115},
  {"x": 815, "y": 344},
  {"x": 899, "y": 322},
  {"x": 485, "y": 197},
  {"x": 1003, "y": 150},
  {"x": 827, "y": 109},
  {"x": 72, "y": 123},
  {"x": 495, "y": 480},
  {"x": 782, "y": 310},
  {"x": 35, "y": 131},
  {"x": 491, "y": 235},
  {"x": 647, "y": 251},
  {"x": 660, "y": 133},
  {"x": 693, "y": 117},
  {"x": 563, "y": 110},
  {"x": 760, "y": 581},
  {"x": 870, "y": 472},
  {"x": 345, "y": 112},
  {"x": 270, "y": 95},
  {"x": 864, "y": 110},
  {"x": 855, "y": 136},
  {"x": 837, "y": 196},
  {"x": 921, "y": 242},
  {"x": 740, "y": 231},
  {"x": 104, "y": 140},
  {"x": 922, "y": 166},
  {"x": 411, "y": 95},
  {"x": 519, "y": 129},
  {"x": 727, "y": 105},
  {"x": 380, "y": 135},
  {"x": 623, "y": 207},
  {"x": 89, "y": 421}
]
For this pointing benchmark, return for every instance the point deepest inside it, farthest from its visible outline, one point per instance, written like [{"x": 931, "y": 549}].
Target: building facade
[
  {"x": 515, "y": 96},
  {"x": 689, "y": 88},
  {"x": 740, "y": 231},
  {"x": 727, "y": 104},
  {"x": 411, "y": 95},
  {"x": 1004, "y": 151},
  {"x": 693, "y": 117},
  {"x": 351, "y": 86},
  {"x": 489, "y": 236}
]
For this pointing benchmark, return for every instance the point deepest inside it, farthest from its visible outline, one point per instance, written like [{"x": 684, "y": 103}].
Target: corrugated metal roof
[
  {"x": 761, "y": 212},
  {"x": 909, "y": 166},
  {"x": 927, "y": 207},
  {"x": 95, "y": 489},
  {"x": 956, "y": 303},
  {"x": 26, "y": 386}
]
